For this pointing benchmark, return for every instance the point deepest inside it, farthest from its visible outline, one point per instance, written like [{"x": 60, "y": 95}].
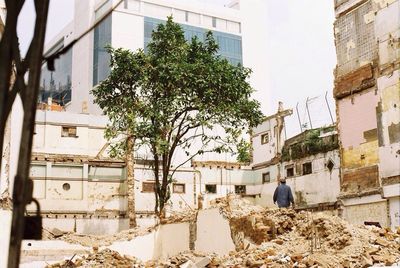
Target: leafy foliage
[
  {"x": 173, "y": 97},
  {"x": 311, "y": 144}
]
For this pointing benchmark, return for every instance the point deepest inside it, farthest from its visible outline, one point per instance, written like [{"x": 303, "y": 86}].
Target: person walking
[{"x": 283, "y": 195}]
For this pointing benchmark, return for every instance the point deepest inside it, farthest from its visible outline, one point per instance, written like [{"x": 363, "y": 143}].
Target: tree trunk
[{"x": 130, "y": 172}]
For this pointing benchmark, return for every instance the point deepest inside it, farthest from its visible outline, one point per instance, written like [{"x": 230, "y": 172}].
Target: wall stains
[{"x": 394, "y": 133}]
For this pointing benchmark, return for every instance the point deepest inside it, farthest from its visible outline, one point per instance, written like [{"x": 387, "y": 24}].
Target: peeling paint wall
[
  {"x": 367, "y": 92},
  {"x": 321, "y": 186}
]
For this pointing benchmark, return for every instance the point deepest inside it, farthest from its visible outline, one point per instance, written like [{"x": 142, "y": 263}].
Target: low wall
[
  {"x": 213, "y": 233},
  {"x": 168, "y": 240}
]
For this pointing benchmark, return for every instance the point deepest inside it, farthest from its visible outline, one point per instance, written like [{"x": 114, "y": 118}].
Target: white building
[{"x": 129, "y": 26}]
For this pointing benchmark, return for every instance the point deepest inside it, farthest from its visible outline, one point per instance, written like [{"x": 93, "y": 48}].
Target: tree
[{"x": 175, "y": 96}]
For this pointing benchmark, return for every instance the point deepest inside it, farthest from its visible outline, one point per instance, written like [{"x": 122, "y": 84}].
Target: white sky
[{"x": 299, "y": 47}]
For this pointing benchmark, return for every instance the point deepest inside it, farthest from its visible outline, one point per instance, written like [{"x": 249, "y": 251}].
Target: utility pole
[{"x": 31, "y": 65}]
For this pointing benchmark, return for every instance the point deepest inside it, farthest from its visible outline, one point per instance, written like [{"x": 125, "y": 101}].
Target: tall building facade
[
  {"x": 129, "y": 26},
  {"x": 367, "y": 93}
]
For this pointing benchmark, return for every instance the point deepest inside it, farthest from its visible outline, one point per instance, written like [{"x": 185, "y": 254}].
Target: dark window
[
  {"x": 178, "y": 188},
  {"x": 214, "y": 22},
  {"x": 68, "y": 132},
  {"x": 230, "y": 45},
  {"x": 66, "y": 186},
  {"x": 57, "y": 84},
  {"x": 148, "y": 187},
  {"x": 307, "y": 168},
  {"x": 211, "y": 188},
  {"x": 265, "y": 138},
  {"x": 330, "y": 165},
  {"x": 266, "y": 177},
  {"x": 240, "y": 189},
  {"x": 289, "y": 171},
  {"x": 101, "y": 58}
]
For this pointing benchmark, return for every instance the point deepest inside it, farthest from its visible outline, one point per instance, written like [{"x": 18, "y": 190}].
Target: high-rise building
[{"x": 129, "y": 26}]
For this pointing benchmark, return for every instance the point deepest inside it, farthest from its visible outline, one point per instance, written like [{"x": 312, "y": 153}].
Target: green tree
[{"x": 173, "y": 98}]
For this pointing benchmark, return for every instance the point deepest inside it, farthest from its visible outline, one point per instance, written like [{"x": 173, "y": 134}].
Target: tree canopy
[{"x": 174, "y": 96}]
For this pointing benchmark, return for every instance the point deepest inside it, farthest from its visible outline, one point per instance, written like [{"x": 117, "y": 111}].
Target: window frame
[
  {"x": 263, "y": 138},
  {"x": 208, "y": 192},
  {"x": 286, "y": 171},
  {"x": 269, "y": 177},
  {"x": 237, "y": 187},
  {"x": 66, "y": 132},
  {"x": 304, "y": 169},
  {"x": 178, "y": 184},
  {"x": 146, "y": 190}
]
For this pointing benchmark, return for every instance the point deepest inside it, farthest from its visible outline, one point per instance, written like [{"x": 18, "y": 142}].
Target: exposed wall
[
  {"x": 321, "y": 186},
  {"x": 366, "y": 209},
  {"x": 367, "y": 93}
]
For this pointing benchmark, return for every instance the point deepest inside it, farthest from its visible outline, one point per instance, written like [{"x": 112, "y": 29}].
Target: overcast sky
[{"x": 300, "y": 52}]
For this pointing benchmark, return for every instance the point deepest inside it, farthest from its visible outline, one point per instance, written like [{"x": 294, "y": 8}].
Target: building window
[
  {"x": 307, "y": 168},
  {"x": 214, "y": 22},
  {"x": 265, "y": 138},
  {"x": 101, "y": 58},
  {"x": 66, "y": 186},
  {"x": 266, "y": 177},
  {"x": 68, "y": 132},
  {"x": 289, "y": 171},
  {"x": 178, "y": 188},
  {"x": 240, "y": 189},
  {"x": 230, "y": 45},
  {"x": 148, "y": 187},
  {"x": 211, "y": 188},
  {"x": 330, "y": 165}
]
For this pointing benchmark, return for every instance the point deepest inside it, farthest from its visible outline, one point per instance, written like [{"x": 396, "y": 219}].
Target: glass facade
[
  {"x": 230, "y": 45},
  {"x": 101, "y": 59},
  {"x": 57, "y": 84}
]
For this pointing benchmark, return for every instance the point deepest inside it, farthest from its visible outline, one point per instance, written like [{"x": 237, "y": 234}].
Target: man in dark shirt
[{"x": 283, "y": 195}]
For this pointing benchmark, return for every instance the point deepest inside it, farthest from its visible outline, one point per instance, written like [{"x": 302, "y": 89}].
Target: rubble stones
[
  {"x": 104, "y": 258},
  {"x": 282, "y": 238}
]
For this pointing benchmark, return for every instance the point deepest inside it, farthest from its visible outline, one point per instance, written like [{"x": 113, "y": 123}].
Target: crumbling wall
[{"x": 367, "y": 93}]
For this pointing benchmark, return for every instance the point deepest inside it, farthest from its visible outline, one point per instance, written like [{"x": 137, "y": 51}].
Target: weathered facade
[
  {"x": 367, "y": 93},
  {"x": 309, "y": 162}
]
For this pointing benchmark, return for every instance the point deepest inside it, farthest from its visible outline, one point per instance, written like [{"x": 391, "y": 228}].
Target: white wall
[
  {"x": 318, "y": 187},
  {"x": 213, "y": 233}
]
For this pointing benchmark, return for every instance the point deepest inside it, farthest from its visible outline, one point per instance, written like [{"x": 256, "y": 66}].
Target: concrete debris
[{"x": 203, "y": 262}]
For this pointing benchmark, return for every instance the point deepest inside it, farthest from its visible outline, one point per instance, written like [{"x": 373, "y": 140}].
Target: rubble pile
[
  {"x": 100, "y": 259},
  {"x": 331, "y": 230},
  {"x": 187, "y": 215},
  {"x": 275, "y": 238},
  {"x": 363, "y": 247}
]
